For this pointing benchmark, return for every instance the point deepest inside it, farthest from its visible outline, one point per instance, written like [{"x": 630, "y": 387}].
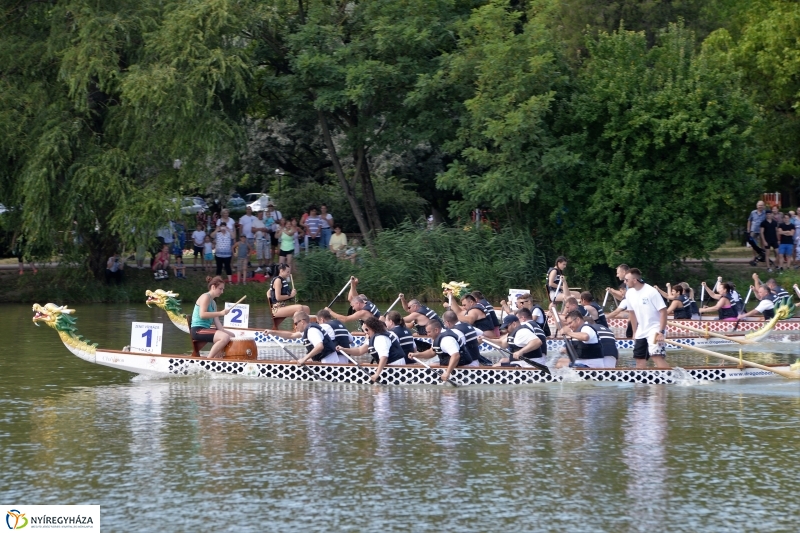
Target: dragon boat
[
  {"x": 271, "y": 364},
  {"x": 169, "y": 303}
]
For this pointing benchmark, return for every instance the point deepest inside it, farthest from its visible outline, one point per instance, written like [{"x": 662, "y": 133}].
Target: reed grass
[{"x": 416, "y": 262}]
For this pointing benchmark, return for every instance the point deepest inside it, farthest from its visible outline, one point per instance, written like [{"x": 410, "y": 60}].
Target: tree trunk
[
  {"x": 348, "y": 190},
  {"x": 370, "y": 203}
]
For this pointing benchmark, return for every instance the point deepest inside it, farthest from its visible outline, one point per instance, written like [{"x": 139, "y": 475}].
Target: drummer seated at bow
[
  {"x": 418, "y": 315},
  {"x": 320, "y": 347},
  {"x": 724, "y": 306},
  {"x": 446, "y": 347},
  {"x": 205, "y": 314},
  {"x": 471, "y": 312},
  {"x": 280, "y": 292},
  {"x": 557, "y": 286},
  {"x": 524, "y": 339},
  {"x": 585, "y": 340},
  {"x": 766, "y": 304},
  {"x": 384, "y": 347}
]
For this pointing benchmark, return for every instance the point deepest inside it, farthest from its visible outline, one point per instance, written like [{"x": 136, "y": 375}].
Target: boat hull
[{"x": 177, "y": 365}]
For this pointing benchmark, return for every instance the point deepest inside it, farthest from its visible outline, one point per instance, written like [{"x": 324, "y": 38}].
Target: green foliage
[
  {"x": 416, "y": 262},
  {"x": 395, "y": 202}
]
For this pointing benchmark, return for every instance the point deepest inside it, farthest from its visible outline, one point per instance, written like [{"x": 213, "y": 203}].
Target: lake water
[{"x": 231, "y": 454}]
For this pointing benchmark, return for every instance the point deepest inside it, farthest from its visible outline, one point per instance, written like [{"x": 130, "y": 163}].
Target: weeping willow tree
[{"x": 97, "y": 99}]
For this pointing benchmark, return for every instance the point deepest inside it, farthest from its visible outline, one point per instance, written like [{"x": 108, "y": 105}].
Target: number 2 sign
[
  {"x": 238, "y": 317},
  {"x": 146, "y": 337}
]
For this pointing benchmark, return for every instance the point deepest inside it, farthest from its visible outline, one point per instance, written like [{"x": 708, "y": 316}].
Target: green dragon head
[
  {"x": 57, "y": 317},
  {"x": 166, "y": 300},
  {"x": 784, "y": 308}
]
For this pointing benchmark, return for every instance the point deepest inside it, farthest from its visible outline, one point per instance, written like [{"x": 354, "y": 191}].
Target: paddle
[
  {"x": 567, "y": 341},
  {"x": 744, "y": 308},
  {"x": 390, "y": 307},
  {"x": 785, "y": 373},
  {"x": 605, "y": 299},
  {"x": 291, "y": 278},
  {"x": 702, "y": 297},
  {"x": 438, "y": 374},
  {"x": 553, "y": 300},
  {"x": 369, "y": 376},
  {"x": 712, "y": 334},
  {"x": 340, "y": 292},
  {"x": 540, "y": 366},
  {"x": 293, "y": 356}
]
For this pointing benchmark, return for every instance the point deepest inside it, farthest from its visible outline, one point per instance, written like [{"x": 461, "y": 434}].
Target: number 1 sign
[
  {"x": 238, "y": 317},
  {"x": 146, "y": 337}
]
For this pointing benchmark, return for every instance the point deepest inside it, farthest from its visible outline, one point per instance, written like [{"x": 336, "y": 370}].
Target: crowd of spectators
[{"x": 771, "y": 232}]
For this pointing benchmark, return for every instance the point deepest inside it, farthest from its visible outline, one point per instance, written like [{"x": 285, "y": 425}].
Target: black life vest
[
  {"x": 372, "y": 308},
  {"x": 405, "y": 339},
  {"x": 396, "y": 353},
  {"x": 471, "y": 340},
  {"x": 444, "y": 359},
  {"x": 729, "y": 312},
  {"x": 588, "y": 351},
  {"x": 557, "y": 279},
  {"x": 736, "y": 301},
  {"x": 485, "y": 323},
  {"x": 541, "y": 351},
  {"x": 601, "y": 315},
  {"x": 683, "y": 313},
  {"x": 341, "y": 335},
  {"x": 543, "y": 324},
  {"x": 490, "y": 312},
  {"x": 780, "y": 292},
  {"x": 286, "y": 290},
  {"x": 608, "y": 341},
  {"x": 328, "y": 345},
  {"x": 428, "y": 312}
]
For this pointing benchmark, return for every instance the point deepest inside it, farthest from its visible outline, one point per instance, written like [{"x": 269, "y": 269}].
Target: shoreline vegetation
[{"x": 408, "y": 259}]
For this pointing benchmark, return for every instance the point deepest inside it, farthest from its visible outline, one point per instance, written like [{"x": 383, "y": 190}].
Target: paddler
[
  {"x": 586, "y": 341},
  {"x": 776, "y": 289},
  {"x": 593, "y": 309},
  {"x": 489, "y": 311},
  {"x": 336, "y": 330},
  {"x": 766, "y": 304},
  {"x": 471, "y": 312},
  {"x": 205, "y": 313},
  {"x": 469, "y": 333},
  {"x": 724, "y": 307},
  {"x": 396, "y": 325},
  {"x": 319, "y": 345},
  {"x": 522, "y": 338},
  {"x": 446, "y": 347},
  {"x": 280, "y": 292},
  {"x": 527, "y": 301},
  {"x": 419, "y": 315},
  {"x": 383, "y": 347}
]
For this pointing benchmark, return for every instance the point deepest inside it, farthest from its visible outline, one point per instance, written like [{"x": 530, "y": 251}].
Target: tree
[
  {"x": 351, "y": 66},
  {"x": 98, "y": 100},
  {"x": 666, "y": 153}
]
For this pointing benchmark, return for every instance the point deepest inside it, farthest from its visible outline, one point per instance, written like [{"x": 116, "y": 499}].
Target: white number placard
[
  {"x": 512, "y": 297},
  {"x": 146, "y": 337},
  {"x": 238, "y": 317}
]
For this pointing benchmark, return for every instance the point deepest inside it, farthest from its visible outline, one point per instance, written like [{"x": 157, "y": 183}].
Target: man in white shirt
[
  {"x": 766, "y": 304},
  {"x": 648, "y": 315},
  {"x": 246, "y": 226}
]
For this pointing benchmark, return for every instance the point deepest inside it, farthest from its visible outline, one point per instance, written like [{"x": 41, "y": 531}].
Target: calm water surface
[{"x": 223, "y": 454}]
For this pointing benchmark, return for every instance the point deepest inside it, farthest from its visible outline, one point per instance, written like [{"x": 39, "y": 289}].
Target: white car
[{"x": 257, "y": 201}]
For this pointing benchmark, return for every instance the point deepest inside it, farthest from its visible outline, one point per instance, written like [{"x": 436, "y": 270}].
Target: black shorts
[
  {"x": 202, "y": 334},
  {"x": 284, "y": 253},
  {"x": 773, "y": 245},
  {"x": 641, "y": 349},
  {"x": 273, "y": 238},
  {"x": 198, "y": 250}
]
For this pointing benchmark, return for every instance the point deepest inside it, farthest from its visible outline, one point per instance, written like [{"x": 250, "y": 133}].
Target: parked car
[
  {"x": 191, "y": 205},
  {"x": 257, "y": 201},
  {"x": 236, "y": 205}
]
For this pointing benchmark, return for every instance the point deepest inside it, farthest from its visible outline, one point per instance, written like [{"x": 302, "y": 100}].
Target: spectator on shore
[
  {"x": 261, "y": 239},
  {"x": 769, "y": 238},
  {"x": 785, "y": 247},
  {"x": 161, "y": 261},
  {"x": 299, "y": 236},
  {"x": 353, "y": 250},
  {"x": 313, "y": 227},
  {"x": 208, "y": 253},
  {"x": 114, "y": 268},
  {"x": 198, "y": 238},
  {"x": 273, "y": 218},
  {"x": 757, "y": 216},
  {"x": 286, "y": 237},
  {"x": 242, "y": 250},
  {"x": 223, "y": 249},
  {"x": 179, "y": 269},
  {"x": 327, "y": 226},
  {"x": 166, "y": 235},
  {"x": 246, "y": 227},
  {"x": 228, "y": 221},
  {"x": 338, "y": 241}
]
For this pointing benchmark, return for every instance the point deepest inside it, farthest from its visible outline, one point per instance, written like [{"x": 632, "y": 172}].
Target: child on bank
[
  {"x": 208, "y": 253},
  {"x": 242, "y": 251},
  {"x": 179, "y": 269}
]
